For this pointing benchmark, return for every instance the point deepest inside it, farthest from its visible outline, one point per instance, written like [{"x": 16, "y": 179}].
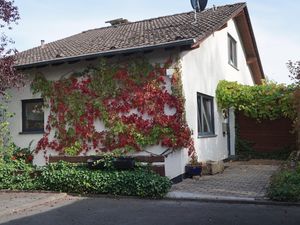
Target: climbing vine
[
  {"x": 266, "y": 101},
  {"x": 136, "y": 102}
]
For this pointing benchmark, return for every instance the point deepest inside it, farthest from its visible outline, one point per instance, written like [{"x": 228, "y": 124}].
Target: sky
[{"x": 275, "y": 23}]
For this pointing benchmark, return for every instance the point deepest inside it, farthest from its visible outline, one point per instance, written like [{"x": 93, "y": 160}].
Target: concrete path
[
  {"x": 239, "y": 181},
  {"x": 16, "y": 202}
]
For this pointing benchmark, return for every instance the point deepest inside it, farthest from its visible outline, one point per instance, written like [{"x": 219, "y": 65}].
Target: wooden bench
[{"x": 159, "y": 169}]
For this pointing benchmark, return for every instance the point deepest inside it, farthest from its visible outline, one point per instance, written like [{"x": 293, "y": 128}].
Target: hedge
[{"x": 66, "y": 177}]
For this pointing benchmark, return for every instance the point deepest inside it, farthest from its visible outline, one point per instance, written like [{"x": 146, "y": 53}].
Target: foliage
[
  {"x": 6, "y": 146},
  {"x": 9, "y": 77},
  {"x": 25, "y": 154},
  {"x": 107, "y": 160},
  {"x": 73, "y": 150},
  {"x": 266, "y": 101},
  {"x": 285, "y": 185},
  {"x": 130, "y": 99},
  {"x": 75, "y": 179},
  {"x": 294, "y": 69},
  {"x": 66, "y": 177},
  {"x": 16, "y": 175}
]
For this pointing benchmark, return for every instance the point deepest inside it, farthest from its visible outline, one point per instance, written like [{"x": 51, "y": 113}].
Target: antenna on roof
[{"x": 198, "y": 6}]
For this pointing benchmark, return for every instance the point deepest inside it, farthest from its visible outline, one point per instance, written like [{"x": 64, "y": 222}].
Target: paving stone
[{"x": 238, "y": 180}]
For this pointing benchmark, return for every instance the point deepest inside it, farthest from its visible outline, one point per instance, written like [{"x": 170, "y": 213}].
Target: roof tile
[{"x": 136, "y": 34}]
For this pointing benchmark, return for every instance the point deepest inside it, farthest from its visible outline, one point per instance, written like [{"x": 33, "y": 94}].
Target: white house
[{"x": 219, "y": 45}]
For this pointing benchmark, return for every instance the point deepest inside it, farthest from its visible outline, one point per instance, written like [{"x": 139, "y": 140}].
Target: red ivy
[{"x": 138, "y": 110}]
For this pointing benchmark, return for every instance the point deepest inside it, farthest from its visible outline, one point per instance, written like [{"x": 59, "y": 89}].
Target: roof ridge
[{"x": 161, "y": 17}]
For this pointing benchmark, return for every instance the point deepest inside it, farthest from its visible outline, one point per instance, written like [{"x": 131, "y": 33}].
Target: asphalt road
[{"x": 107, "y": 211}]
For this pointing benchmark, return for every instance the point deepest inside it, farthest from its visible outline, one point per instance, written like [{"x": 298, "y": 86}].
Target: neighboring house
[{"x": 219, "y": 45}]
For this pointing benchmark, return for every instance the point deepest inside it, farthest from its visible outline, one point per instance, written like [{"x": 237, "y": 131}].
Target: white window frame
[
  {"x": 232, "y": 52},
  {"x": 203, "y": 118}
]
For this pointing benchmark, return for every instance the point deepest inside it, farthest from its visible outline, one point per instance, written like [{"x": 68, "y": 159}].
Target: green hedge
[
  {"x": 16, "y": 175},
  {"x": 65, "y": 177},
  {"x": 285, "y": 185}
]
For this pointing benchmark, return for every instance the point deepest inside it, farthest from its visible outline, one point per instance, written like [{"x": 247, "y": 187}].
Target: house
[{"x": 218, "y": 45}]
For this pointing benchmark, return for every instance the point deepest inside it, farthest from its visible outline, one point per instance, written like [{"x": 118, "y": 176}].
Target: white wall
[{"x": 202, "y": 69}]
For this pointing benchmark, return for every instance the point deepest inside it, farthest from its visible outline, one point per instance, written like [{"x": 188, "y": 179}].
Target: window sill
[
  {"x": 207, "y": 136},
  {"x": 235, "y": 67},
  {"x": 31, "y": 132}
]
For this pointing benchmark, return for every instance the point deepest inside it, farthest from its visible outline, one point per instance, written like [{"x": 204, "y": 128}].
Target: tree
[
  {"x": 294, "y": 68},
  {"x": 9, "y": 77}
]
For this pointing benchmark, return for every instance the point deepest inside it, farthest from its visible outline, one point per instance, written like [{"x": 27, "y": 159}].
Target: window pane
[
  {"x": 33, "y": 115},
  {"x": 232, "y": 51},
  {"x": 199, "y": 114},
  {"x": 205, "y": 115}
]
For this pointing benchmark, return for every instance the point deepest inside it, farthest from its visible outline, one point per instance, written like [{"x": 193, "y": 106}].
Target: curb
[
  {"x": 32, "y": 204},
  {"x": 186, "y": 196}
]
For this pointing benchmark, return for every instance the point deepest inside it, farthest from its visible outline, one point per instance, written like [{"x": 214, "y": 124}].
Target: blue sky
[{"x": 275, "y": 23}]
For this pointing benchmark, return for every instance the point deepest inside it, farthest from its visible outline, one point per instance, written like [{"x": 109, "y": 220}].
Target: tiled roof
[{"x": 150, "y": 32}]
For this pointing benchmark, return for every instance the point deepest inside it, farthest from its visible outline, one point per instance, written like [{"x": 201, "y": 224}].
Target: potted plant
[
  {"x": 122, "y": 161},
  {"x": 113, "y": 160},
  {"x": 194, "y": 168}
]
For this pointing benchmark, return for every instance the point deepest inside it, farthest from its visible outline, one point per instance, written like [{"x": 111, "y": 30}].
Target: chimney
[
  {"x": 42, "y": 43},
  {"x": 116, "y": 22}
]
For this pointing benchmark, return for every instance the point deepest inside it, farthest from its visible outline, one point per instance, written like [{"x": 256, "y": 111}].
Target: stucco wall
[{"x": 202, "y": 69}]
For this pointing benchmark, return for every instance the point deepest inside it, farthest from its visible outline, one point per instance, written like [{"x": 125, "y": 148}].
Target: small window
[
  {"x": 205, "y": 115},
  {"x": 32, "y": 115},
  {"x": 232, "y": 51}
]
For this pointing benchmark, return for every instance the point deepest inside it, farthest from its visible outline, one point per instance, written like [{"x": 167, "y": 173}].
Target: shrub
[
  {"x": 66, "y": 177},
  {"x": 285, "y": 185},
  {"x": 16, "y": 175}
]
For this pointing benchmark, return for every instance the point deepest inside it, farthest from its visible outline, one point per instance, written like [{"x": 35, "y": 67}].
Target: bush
[
  {"x": 285, "y": 185},
  {"x": 66, "y": 177},
  {"x": 16, "y": 175}
]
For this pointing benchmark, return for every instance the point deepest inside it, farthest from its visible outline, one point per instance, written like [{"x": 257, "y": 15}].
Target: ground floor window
[
  {"x": 32, "y": 115},
  {"x": 205, "y": 115}
]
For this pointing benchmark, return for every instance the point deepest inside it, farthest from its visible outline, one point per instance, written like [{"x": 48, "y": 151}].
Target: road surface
[{"x": 106, "y": 211}]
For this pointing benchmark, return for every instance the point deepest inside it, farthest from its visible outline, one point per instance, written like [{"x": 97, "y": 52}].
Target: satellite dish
[{"x": 199, "y": 5}]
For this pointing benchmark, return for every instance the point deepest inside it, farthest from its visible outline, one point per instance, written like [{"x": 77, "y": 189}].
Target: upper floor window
[
  {"x": 232, "y": 51},
  {"x": 32, "y": 115},
  {"x": 205, "y": 115}
]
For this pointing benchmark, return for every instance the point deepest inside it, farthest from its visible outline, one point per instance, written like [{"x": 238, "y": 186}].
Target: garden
[{"x": 18, "y": 173}]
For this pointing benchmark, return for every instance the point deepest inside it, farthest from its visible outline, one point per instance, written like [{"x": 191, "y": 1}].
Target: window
[
  {"x": 32, "y": 115},
  {"x": 232, "y": 51},
  {"x": 205, "y": 115}
]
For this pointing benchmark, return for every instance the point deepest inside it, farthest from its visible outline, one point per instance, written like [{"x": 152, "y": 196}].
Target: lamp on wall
[{"x": 170, "y": 72}]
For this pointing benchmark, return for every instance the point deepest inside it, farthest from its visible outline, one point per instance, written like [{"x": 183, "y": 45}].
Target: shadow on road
[{"x": 145, "y": 212}]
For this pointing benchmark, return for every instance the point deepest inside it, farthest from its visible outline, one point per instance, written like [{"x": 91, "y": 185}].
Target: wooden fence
[
  {"x": 267, "y": 135},
  {"x": 151, "y": 160}
]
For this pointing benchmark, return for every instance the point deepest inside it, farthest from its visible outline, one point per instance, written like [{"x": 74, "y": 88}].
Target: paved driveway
[{"x": 239, "y": 180}]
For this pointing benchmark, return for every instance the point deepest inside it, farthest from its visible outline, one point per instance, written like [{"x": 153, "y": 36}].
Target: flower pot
[
  {"x": 124, "y": 163},
  {"x": 193, "y": 170}
]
